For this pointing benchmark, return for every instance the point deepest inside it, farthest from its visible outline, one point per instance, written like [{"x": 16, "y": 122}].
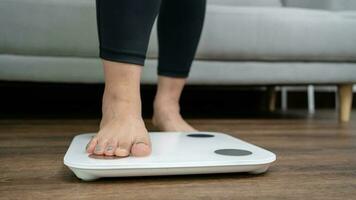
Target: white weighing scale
[{"x": 173, "y": 153}]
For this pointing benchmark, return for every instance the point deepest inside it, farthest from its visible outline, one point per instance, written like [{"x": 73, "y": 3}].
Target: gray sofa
[{"x": 244, "y": 42}]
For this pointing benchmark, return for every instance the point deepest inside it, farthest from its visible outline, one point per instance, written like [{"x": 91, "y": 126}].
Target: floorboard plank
[{"x": 316, "y": 159}]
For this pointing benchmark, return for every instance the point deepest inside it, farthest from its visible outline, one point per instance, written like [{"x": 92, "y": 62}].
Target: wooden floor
[{"x": 316, "y": 159}]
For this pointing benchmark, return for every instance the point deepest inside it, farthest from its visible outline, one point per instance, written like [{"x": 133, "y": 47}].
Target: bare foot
[
  {"x": 167, "y": 117},
  {"x": 122, "y": 130}
]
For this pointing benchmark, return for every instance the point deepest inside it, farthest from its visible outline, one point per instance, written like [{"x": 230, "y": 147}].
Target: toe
[
  {"x": 91, "y": 145},
  {"x": 141, "y": 148},
  {"x": 123, "y": 150},
  {"x": 100, "y": 147},
  {"x": 110, "y": 148}
]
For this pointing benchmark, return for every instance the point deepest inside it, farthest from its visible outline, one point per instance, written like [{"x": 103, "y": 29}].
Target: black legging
[{"x": 124, "y": 28}]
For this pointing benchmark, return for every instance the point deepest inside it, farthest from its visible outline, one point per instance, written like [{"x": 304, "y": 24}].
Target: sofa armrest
[{"x": 334, "y": 5}]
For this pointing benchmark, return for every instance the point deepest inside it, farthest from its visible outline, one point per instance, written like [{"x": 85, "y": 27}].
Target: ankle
[
  {"x": 166, "y": 105},
  {"x": 116, "y": 105}
]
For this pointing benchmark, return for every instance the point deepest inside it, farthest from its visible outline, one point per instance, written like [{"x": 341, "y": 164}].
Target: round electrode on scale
[{"x": 233, "y": 152}]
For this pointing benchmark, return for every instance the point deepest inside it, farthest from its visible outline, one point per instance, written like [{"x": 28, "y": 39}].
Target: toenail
[
  {"x": 109, "y": 148},
  {"x": 141, "y": 143},
  {"x": 97, "y": 148}
]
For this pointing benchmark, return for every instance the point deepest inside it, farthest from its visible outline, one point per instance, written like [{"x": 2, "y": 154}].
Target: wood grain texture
[{"x": 316, "y": 159}]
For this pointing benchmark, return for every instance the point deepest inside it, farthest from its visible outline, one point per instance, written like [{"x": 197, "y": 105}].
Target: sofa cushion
[
  {"x": 322, "y": 4},
  {"x": 48, "y": 27},
  {"x": 275, "y": 34},
  {"x": 272, "y": 3},
  {"x": 68, "y": 28},
  {"x": 246, "y": 33}
]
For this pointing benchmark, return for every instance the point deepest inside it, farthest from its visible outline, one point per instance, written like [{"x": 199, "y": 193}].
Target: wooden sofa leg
[
  {"x": 345, "y": 99},
  {"x": 272, "y": 96}
]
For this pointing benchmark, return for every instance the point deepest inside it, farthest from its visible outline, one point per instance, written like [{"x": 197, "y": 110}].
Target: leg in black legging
[
  {"x": 124, "y": 28},
  {"x": 180, "y": 24}
]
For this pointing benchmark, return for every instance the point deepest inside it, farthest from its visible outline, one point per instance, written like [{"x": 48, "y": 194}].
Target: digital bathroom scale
[{"x": 173, "y": 153}]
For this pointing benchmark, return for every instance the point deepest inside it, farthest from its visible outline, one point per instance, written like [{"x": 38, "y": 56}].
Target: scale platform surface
[{"x": 173, "y": 153}]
